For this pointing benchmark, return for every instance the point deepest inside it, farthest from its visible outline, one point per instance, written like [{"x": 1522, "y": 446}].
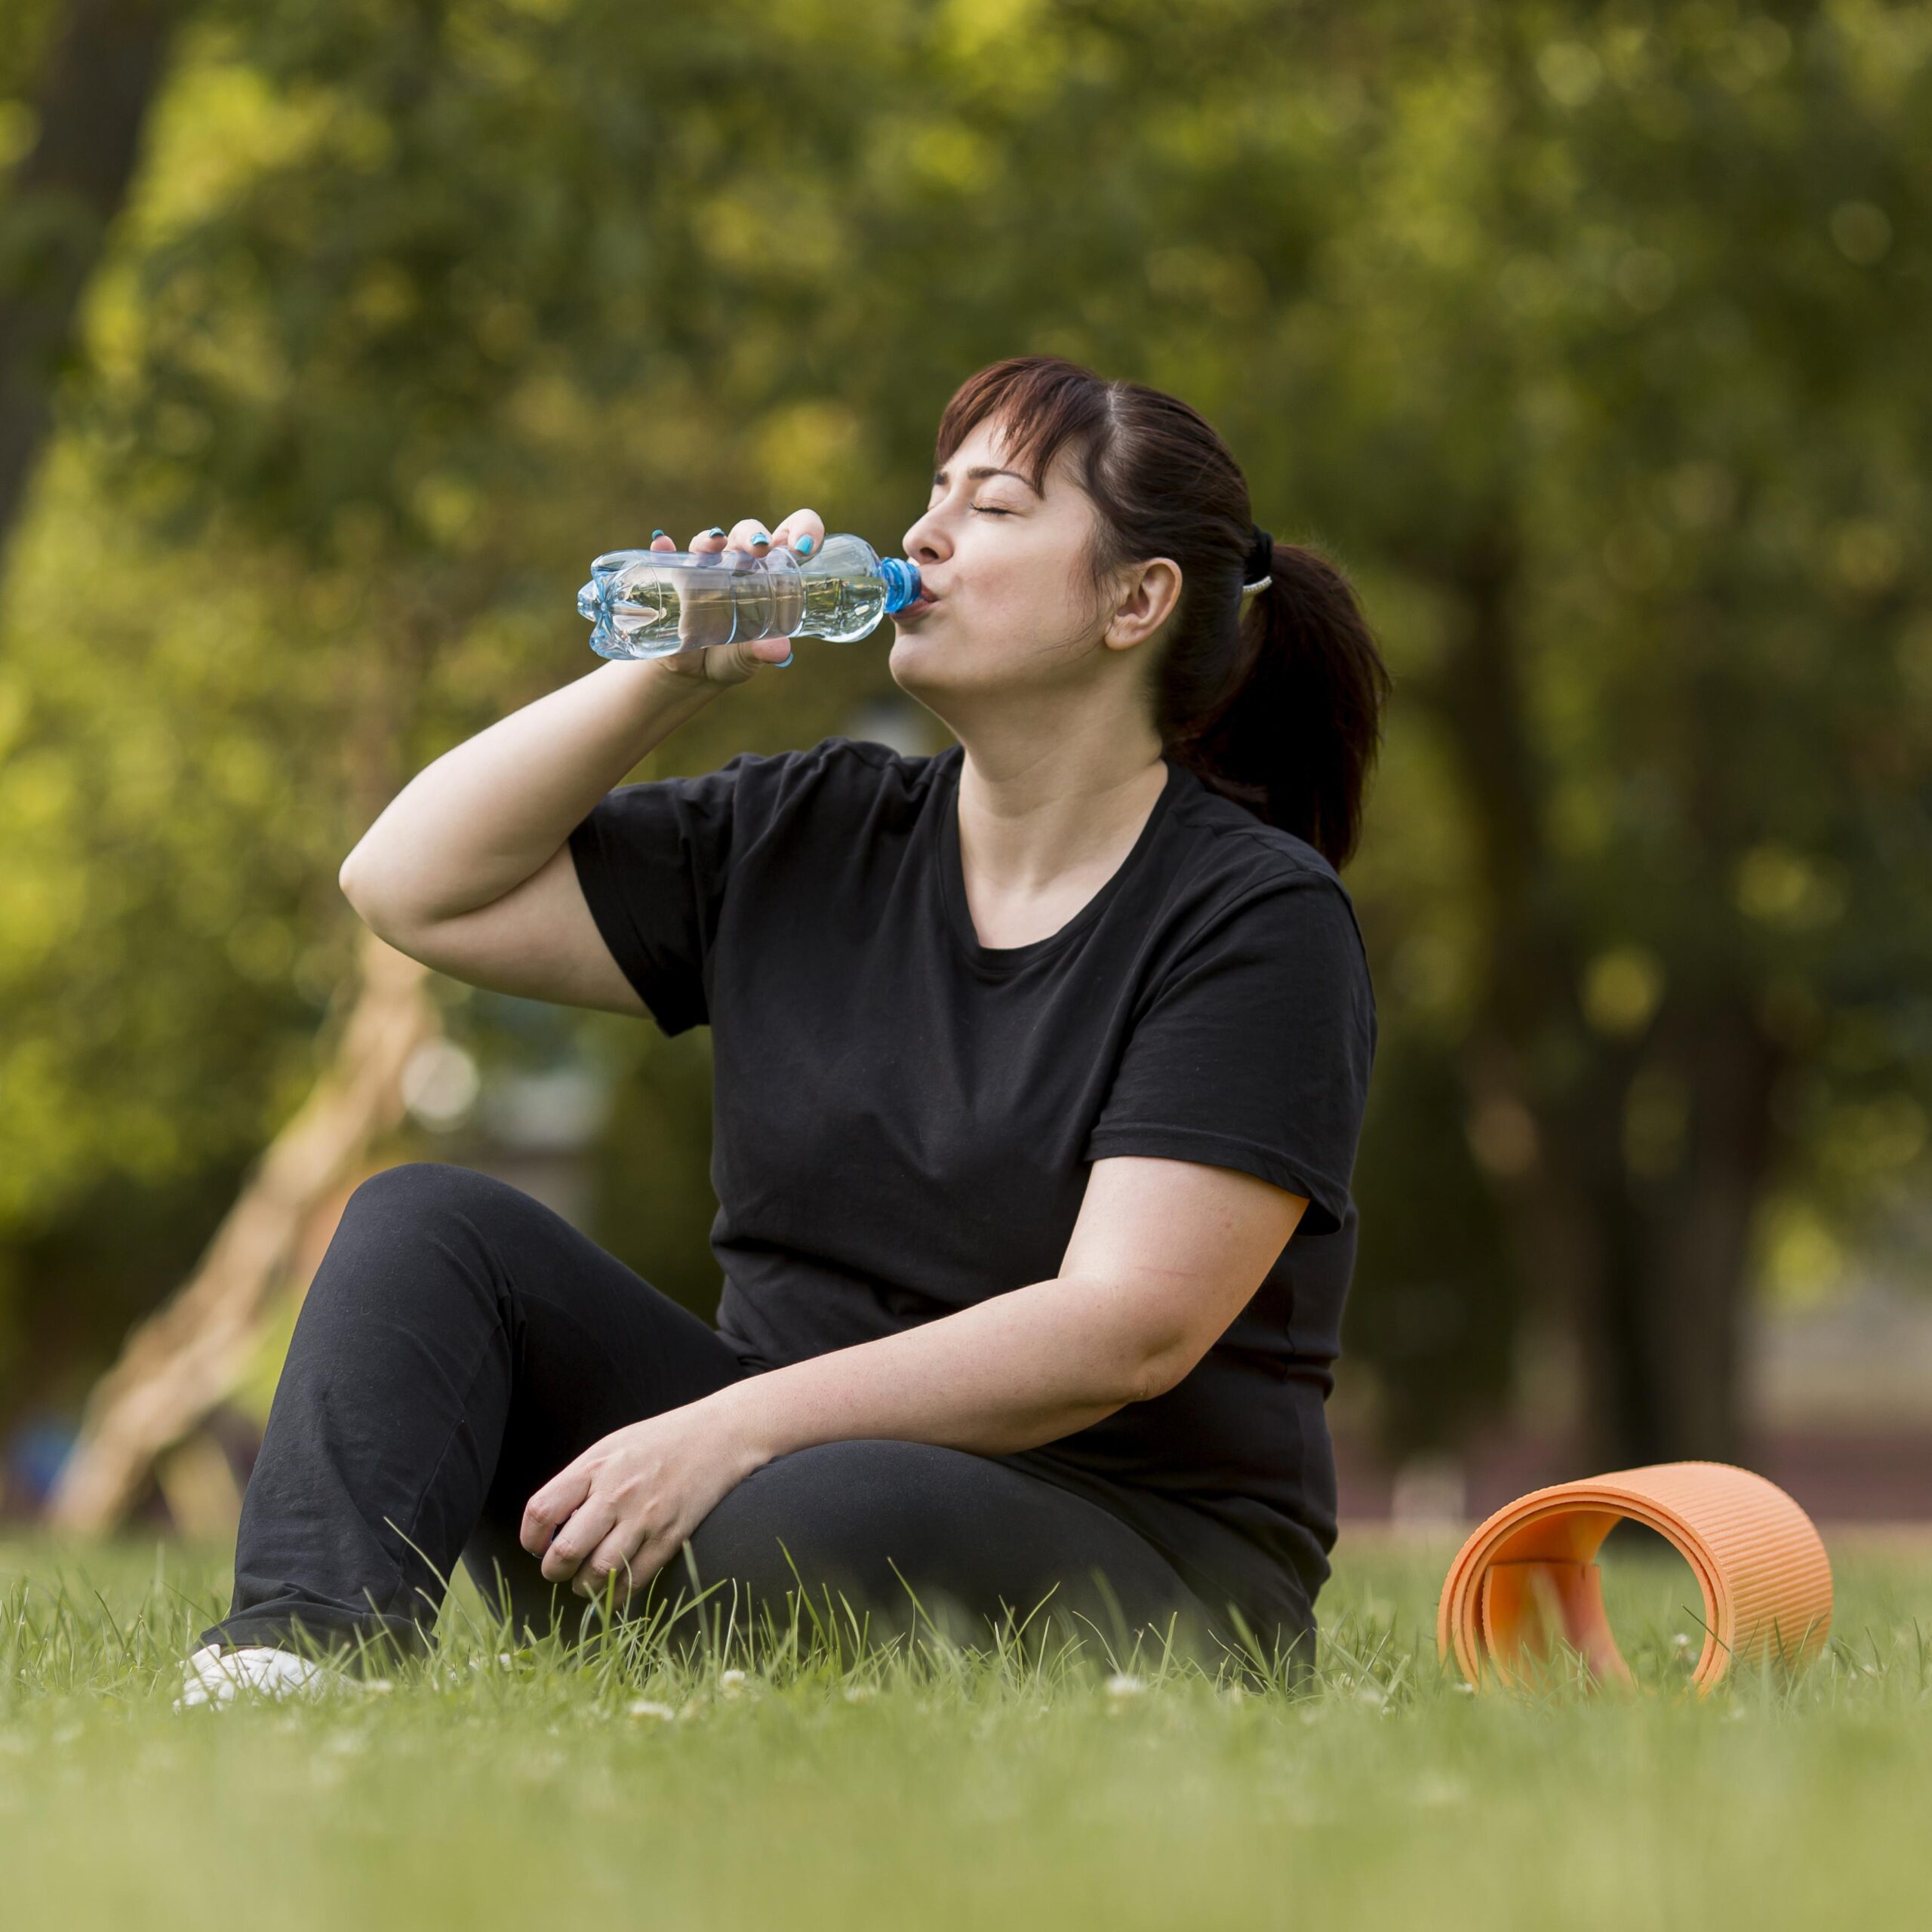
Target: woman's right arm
[{"x": 468, "y": 868}]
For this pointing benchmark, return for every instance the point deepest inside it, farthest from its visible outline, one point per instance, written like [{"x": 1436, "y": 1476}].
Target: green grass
[{"x": 931, "y": 1789}]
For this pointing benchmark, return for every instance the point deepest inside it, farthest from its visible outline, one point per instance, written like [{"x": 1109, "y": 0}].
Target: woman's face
[{"x": 1007, "y": 566}]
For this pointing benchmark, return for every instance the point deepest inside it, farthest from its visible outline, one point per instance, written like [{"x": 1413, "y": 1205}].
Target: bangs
[{"x": 1042, "y": 402}]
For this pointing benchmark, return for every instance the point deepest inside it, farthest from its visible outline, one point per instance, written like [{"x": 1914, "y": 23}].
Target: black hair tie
[{"x": 1259, "y": 567}]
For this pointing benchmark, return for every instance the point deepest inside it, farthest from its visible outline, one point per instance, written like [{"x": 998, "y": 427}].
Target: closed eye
[{"x": 987, "y": 510}]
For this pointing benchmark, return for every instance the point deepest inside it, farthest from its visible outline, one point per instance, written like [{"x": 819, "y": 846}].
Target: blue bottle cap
[{"x": 902, "y": 582}]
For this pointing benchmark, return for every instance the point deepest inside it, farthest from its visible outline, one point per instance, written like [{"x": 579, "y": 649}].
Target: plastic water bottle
[{"x": 657, "y": 603}]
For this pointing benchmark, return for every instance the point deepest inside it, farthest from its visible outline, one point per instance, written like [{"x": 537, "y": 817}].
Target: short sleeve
[
  {"x": 652, "y": 860},
  {"x": 1254, "y": 1051}
]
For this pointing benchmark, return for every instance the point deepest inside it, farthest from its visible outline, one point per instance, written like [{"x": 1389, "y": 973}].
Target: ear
[{"x": 1152, "y": 590}]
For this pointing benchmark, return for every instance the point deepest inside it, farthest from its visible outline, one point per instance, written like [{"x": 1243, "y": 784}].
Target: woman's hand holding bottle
[{"x": 802, "y": 533}]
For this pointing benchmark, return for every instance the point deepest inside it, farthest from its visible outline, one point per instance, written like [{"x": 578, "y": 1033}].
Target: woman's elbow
[
  {"x": 1134, "y": 1346},
  {"x": 366, "y": 899},
  {"x": 355, "y": 888},
  {"x": 1163, "y": 1365}
]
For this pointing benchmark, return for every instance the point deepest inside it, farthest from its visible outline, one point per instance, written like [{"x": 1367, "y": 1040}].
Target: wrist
[
  {"x": 670, "y": 694},
  {"x": 651, "y": 700},
  {"x": 741, "y": 1445}
]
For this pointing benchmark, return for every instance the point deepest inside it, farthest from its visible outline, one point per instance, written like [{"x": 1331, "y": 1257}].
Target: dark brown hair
[{"x": 1279, "y": 709}]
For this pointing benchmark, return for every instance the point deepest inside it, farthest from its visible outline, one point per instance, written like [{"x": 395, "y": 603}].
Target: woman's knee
[
  {"x": 815, "y": 1501},
  {"x": 920, "y": 1532},
  {"x": 415, "y": 1193},
  {"x": 843, "y": 1518},
  {"x": 432, "y": 1206},
  {"x": 411, "y": 1236}
]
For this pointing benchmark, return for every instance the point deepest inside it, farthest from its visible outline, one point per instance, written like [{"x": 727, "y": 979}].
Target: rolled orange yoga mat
[{"x": 1528, "y": 1573}]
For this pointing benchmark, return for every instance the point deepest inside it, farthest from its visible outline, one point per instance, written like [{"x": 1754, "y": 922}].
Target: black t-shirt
[{"x": 904, "y": 1118}]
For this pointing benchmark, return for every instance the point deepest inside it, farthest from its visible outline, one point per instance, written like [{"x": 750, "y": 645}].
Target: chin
[
  {"x": 916, "y": 663},
  {"x": 939, "y": 670}
]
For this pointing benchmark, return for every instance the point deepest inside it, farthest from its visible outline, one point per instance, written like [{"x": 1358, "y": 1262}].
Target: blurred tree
[
  {"x": 1617, "y": 312},
  {"x": 73, "y": 144},
  {"x": 1587, "y": 337}
]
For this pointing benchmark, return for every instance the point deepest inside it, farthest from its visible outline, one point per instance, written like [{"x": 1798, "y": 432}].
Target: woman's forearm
[
  {"x": 1006, "y": 1373},
  {"x": 484, "y": 816}
]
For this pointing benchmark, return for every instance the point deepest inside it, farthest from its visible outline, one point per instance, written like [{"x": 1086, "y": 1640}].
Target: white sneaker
[{"x": 215, "y": 1676}]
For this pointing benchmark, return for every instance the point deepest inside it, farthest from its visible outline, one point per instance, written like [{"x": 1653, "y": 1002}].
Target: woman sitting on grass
[{"x": 1031, "y": 1058}]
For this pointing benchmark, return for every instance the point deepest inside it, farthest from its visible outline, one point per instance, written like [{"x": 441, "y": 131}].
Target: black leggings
[{"x": 461, "y": 1343}]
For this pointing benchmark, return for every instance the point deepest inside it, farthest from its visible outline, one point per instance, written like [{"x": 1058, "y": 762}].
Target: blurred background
[{"x": 336, "y": 337}]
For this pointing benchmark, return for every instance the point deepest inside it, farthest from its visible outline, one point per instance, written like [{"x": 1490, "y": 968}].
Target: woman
[{"x": 1031, "y": 1058}]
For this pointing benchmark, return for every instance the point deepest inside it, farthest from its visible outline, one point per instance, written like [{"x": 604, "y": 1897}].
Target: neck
[{"x": 1046, "y": 793}]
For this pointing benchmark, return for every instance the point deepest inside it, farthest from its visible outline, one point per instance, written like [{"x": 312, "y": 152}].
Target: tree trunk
[
  {"x": 1685, "y": 1239},
  {"x": 101, "y": 75},
  {"x": 1645, "y": 1263}
]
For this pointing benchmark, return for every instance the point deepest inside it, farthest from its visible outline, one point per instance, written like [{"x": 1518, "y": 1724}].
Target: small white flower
[
  {"x": 860, "y": 1693},
  {"x": 646, "y": 1707},
  {"x": 1120, "y": 1685},
  {"x": 731, "y": 1682}
]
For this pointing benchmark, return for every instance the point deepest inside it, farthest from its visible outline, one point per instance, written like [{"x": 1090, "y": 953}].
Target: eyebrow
[{"x": 984, "y": 470}]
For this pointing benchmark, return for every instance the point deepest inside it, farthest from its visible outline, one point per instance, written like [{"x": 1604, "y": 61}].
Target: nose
[{"x": 924, "y": 542}]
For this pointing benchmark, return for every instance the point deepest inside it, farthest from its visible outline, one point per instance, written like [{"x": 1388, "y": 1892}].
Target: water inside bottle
[{"x": 641, "y": 607}]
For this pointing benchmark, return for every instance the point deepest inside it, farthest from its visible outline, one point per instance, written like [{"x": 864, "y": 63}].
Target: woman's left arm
[{"x": 1163, "y": 1256}]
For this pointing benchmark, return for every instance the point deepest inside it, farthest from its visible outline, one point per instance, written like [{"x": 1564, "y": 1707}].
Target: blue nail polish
[
  {"x": 655, "y": 534},
  {"x": 805, "y": 546},
  {"x": 715, "y": 530},
  {"x": 785, "y": 660},
  {"x": 760, "y": 538}
]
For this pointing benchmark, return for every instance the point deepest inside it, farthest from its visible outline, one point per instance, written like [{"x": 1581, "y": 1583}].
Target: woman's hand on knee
[{"x": 622, "y": 1509}]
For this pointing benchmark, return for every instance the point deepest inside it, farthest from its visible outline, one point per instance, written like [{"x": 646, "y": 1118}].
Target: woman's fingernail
[
  {"x": 760, "y": 538},
  {"x": 785, "y": 659},
  {"x": 715, "y": 530},
  {"x": 655, "y": 534},
  {"x": 805, "y": 546}
]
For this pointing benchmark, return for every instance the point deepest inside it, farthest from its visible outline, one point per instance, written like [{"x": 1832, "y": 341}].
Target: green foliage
[
  {"x": 1600, "y": 324},
  {"x": 1442, "y": 1302},
  {"x": 653, "y": 1171}
]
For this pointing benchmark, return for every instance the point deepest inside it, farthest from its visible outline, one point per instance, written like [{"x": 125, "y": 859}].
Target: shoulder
[
  {"x": 1248, "y": 898},
  {"x": 838, "y": 765},
  {"x": 831, "y": 768},
  {"x": 839, "y": 776},
  {"x": 1233, "y": 861},
  {"x": 854, "y": 762}
]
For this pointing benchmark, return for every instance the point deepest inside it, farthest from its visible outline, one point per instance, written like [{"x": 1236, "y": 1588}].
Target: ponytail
[
  {"x": 1293, "y": 734},
  {"x": 1278, "y": 705}
]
